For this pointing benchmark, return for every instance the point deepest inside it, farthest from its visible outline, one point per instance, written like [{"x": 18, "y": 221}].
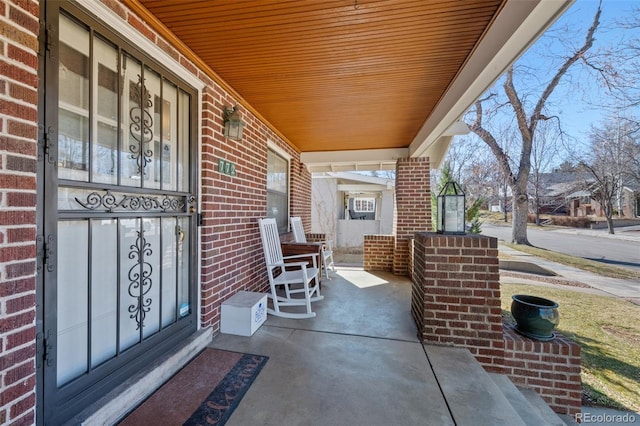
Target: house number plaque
[{"x": 226, "y": 167}]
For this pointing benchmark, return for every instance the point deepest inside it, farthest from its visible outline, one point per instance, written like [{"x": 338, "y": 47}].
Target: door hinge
[
  {"x": 47, "y": 356},
  {"x": 46, "y": 146},
  {"x": 46, "y": 34},
  {"x": 45, "y": 351},
  {"x": 45, "y": 253}
]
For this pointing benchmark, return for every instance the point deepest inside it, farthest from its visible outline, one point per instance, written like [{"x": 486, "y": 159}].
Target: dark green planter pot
[{"x": 536, "y": 317}]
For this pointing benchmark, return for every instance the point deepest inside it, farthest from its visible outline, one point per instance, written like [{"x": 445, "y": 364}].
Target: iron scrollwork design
[
  {"x": 110, "y": 202},
  {"x": 140, "y": 282},
  {"x": 141, "y": 127}
]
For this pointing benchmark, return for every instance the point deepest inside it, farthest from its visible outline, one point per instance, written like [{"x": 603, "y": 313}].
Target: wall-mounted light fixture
[
  {"x": 451, "y": 210},
  {"x": 233, "y": 124}
]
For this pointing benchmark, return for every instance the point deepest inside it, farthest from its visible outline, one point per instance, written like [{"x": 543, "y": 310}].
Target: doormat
[{"x": 204, "y": 392}]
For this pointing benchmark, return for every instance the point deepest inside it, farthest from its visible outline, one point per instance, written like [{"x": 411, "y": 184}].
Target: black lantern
[
  {"x": 451, "y": 210},
  {"x": 233, "y": 124}
]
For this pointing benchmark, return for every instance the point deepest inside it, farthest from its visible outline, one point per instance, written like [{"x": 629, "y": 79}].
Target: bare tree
[
  {"x": 543, "y": 152},
  {"x": 609, "y": 164},
  {"x": 527, "y": 124},
  {"x": 461, "y": 156},
  {"x": 624, "y": 63},
  {"x": 475, "y": 168}
]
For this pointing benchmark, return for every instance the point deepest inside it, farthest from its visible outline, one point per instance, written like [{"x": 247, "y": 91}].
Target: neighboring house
[
  {"x": 128, "y": 207},
  {"x": 554, "y": 188},
  {"x": 346, "y": 206},
  {"x": 626, "y": 205},
  {"x": 630, "y": 200},
  {"x": 582, "y": 205}
]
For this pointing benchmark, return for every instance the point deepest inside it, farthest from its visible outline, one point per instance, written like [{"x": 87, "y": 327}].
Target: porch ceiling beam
[
  {"x": 366, "y": 159},
  {"x": 517, "y": 27},
  {"x": 361, "y": 188}
]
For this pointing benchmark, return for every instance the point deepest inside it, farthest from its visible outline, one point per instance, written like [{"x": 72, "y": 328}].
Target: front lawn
[{"x": 608, "y": 330}]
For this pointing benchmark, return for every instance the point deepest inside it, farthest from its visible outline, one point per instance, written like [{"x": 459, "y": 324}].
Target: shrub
[
  {"x": 473, "y": 216},
  {"x": 568, "y": 221},
  {"x": 574, "y": 222}
]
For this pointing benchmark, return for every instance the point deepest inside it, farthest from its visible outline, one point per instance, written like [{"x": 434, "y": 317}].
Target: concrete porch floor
[{"x": 359, "y": 362}]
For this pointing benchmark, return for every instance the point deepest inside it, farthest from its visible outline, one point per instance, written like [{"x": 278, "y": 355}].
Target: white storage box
[{"x": 243, "y": 313}]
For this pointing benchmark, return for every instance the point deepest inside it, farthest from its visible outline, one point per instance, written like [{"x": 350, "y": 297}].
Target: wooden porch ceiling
[{"x": 334, "y": 75}]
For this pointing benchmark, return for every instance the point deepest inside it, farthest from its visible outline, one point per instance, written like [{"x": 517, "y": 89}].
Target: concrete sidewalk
[
  {"x": 566, "y": 275},
  {"x": 628, "y": 233}
]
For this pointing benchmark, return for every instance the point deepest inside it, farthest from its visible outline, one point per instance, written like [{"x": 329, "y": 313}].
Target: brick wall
[
  {"x": 18, "y": 166},
  {"x": 231, "y": 205},
  {"x": 378, "y": 252},
  {"x": 412, "y": 210},
  {"x": 456, "y": 294},
  {"x": 300, "y": 203},
  {"x": 232, "y": 258},
  {"x": 552, "y": 368},
  {"x": 316, "y": 237}
]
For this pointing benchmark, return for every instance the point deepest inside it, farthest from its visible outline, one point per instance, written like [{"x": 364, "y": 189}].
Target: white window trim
[
  {"x": 367, "y": 199},
  {"x": 284, "y": 154},
  {"x": 281, "y": 152}
]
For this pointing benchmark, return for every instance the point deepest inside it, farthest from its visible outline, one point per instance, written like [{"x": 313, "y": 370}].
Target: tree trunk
[
  {"x": 608, "y": 213},
  {"x": 537, "y": 209},
  {"x": 520, "y": 206},
  {"x": 610, "y": 224},
  {"x": 506, "y": 200}
]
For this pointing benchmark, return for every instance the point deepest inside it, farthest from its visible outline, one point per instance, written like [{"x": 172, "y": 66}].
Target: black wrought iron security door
[{"x": 118, "y": 228}]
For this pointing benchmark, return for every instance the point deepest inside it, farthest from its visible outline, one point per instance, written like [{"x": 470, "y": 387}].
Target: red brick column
[
  {"x": 412, "y": 212},
  {"x": 456, "y": 294},
  {"x": 18, "y": 166},
  {"x": 378, "y": 252}
]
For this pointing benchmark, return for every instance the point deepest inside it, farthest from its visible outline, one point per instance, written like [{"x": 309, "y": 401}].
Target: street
[{"x": 594, "y": 245}]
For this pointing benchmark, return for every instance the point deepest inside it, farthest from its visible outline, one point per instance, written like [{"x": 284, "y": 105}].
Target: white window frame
[
  {"x": 358, "y": 201},
  {"x": 271, "y": 146}
]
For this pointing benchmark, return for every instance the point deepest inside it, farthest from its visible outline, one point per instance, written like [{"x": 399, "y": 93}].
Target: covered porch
[
  {"x": 319, "y": 86},
  {"x": 360, "y": 362}
]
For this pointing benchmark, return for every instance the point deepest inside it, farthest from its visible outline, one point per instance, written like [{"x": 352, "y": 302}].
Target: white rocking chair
[
  {"x": 300, "y": 237},
  {"x": 295, "y": 277}
]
